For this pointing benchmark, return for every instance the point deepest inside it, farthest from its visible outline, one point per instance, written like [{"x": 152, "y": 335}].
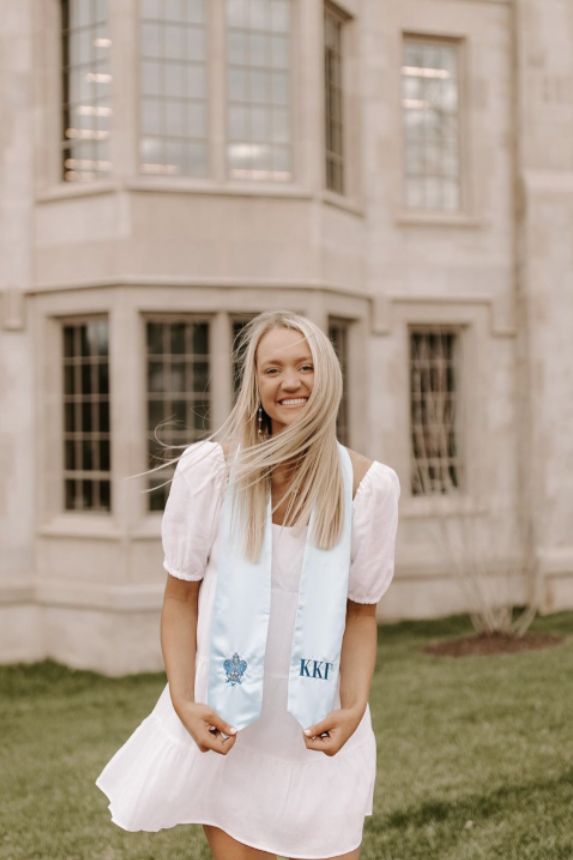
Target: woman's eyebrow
[{"x": 297, "y": 360}]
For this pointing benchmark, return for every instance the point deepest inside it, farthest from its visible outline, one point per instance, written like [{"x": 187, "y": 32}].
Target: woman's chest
[{"x": 287, "y": 558}]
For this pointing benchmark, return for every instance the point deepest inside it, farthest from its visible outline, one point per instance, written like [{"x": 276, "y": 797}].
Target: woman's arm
[
  {"x": 179, "y": 645},
  {"x": 358, "y": 656},
  {"x": 357, "y": 662},
  {"x": 179, "y": 637}
]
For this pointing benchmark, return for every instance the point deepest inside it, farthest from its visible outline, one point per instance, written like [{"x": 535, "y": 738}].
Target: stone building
[{"x": 401, "y": 171}]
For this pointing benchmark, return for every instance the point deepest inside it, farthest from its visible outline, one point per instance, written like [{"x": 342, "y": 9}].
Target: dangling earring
[{"x": 260, "y": 421}]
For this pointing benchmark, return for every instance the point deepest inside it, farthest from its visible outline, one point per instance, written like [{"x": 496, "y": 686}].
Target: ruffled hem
[
  {"x": 257, "y": 845},
  {"x": 312, "y": 810}
]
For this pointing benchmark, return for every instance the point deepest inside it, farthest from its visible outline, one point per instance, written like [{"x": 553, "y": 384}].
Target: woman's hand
[
  {"x": 207, "y": 728},
  {"x": 330, "y": 735}
]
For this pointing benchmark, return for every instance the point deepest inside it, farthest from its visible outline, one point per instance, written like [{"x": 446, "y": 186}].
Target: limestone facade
[{"x": 86, "y": 587}]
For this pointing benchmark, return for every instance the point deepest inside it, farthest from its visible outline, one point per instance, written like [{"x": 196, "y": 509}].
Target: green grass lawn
[{"x": 487, "y": 740}]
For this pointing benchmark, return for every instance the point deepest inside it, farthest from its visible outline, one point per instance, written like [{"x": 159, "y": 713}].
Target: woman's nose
[{"x": 291, "y": 380}]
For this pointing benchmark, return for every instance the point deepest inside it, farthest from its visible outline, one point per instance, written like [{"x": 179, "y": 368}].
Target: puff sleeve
[
  {"x": 190, "y": 518},
  {"x": 374, "y": 525}
]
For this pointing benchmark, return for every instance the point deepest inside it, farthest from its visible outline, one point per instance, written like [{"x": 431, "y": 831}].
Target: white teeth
[{"x": 292, "y": 402}]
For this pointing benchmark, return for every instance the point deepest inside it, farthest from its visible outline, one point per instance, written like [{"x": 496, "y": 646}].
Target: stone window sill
[
  {"x": 90, "y": 526},
  {"x": 419, "y": 507},
  {"x": 349, "y": 204},
  {"x": 438, "y": 219}
]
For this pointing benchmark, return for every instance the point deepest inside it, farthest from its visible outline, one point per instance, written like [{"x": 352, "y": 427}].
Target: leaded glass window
[
  {"x": 437, "y": 466},
  {"x": 430, "y": 103},
  {"x": 259, "y": 89},
  {"x": 86, "y": 90},
  {"x": 239, "y": 346},
  {"x": 173, "y": 87},
  {"x": 178, "y": 392},
  {"x": 87, "y": 458},
  {"x": 338, "y": 334},
  {"x": 333, "y": 95}
]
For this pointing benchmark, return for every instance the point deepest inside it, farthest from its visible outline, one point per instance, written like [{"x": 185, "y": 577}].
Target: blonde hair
[{"x": 308, "y": 447}]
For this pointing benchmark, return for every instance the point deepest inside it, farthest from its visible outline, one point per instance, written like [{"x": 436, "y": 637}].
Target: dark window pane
[
  {"x": 87, "y": 500},
  {"x": 87, "y": 413},
  {"x": 155, "y": 376},
  {"x": 87, "y": 455},
  {"x": 70, "y": 494},
  {"x": 69, "y": 341},
  {"x": 103, "y": 377},
  {"x": 104, "y": 459},
  {"x": 86, "y": 372},
  {"x": 69, "y": 386},
  {"x": 200, "y": 339},
  {"x": 180, "y": 410},
  {"x": 201, "y": 376},
  {"x": 155, "y": 412},
  {"x": 85, "y": 350},
  {"x": 178, "y": 339},
  {"x": 104, "y": 417},
  {"x": 70, "y": 417},
  {"x": 178, "y": 377},
  {"x": 158, "y": 497},
  {"x": 156, "y": 449},
  {"x": 200, "y": 411},
  {"x": 100, "y": 338},
  {"x": 70, "y": 455},
  {"x": 105, "y": 495},
  {"x": 338, "y": 334},
  {"x": 155, "y": 338}
]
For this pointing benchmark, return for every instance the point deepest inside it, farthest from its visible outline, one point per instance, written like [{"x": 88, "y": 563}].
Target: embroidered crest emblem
[{"x": 235, "y": 669}]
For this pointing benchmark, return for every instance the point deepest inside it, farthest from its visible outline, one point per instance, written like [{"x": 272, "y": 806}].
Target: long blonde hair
[{"x": 308, "y": 447}]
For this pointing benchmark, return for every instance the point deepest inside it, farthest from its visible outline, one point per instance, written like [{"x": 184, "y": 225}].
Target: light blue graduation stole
[{"x": 241, "y": 613}]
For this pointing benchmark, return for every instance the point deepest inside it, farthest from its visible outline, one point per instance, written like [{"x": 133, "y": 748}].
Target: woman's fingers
[
  {"x": 330, "y": 735},
  {"x": 325, "y": 725},
  {"x": 220, "y": 736},
  {"x": 326, "y": 742},
  {"x": 217, "y": 742},
  {"x": 220, "y": 724},
  {"x": 207, "y": 728},
  {"x": 322, "y": 736}
]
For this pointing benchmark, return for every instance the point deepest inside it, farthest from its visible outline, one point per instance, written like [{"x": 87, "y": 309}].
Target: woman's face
[{"x": 285, "y": 375}]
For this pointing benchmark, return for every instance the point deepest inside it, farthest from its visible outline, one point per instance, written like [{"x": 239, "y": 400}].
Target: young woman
[{"x": 278, "y": 543}]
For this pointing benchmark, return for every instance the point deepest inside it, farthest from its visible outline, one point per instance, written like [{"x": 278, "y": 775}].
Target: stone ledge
[
  {"x": 20, "y": 592},
  {"x": 556, "y": 563},
  {"x": 146, "y": 597}
]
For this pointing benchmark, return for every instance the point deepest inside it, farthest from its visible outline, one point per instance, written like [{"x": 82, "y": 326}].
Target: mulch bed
[{"x": 484, "y": 644}]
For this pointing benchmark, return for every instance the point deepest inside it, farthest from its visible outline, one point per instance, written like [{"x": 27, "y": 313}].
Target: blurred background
[{"x": 399, "y": 171}]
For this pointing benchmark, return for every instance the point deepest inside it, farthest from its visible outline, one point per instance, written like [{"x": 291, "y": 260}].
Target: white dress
[{"x": 269, "y": 791}]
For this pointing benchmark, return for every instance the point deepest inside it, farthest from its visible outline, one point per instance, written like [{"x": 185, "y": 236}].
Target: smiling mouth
[{"x": 293, "y": 401}]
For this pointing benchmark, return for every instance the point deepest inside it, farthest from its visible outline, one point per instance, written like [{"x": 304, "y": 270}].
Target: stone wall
[{"x": 87, "y": 589}]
